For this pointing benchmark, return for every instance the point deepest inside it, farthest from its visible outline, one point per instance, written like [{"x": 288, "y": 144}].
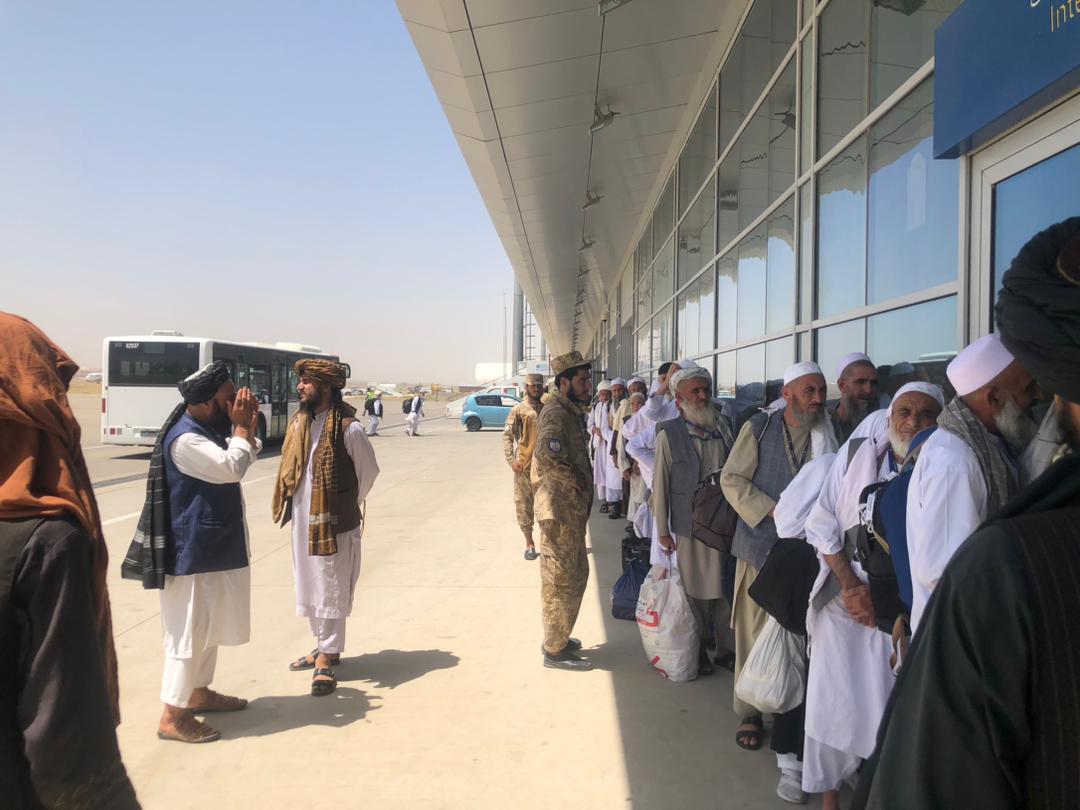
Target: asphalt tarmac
[{"x": 443, "y": 702}]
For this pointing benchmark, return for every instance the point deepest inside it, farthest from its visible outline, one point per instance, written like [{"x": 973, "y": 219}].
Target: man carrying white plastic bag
[{"x": 669, "y": 633}]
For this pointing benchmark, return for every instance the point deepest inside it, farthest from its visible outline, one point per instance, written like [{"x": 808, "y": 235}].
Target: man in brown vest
[{"x": 327, "y": 469}]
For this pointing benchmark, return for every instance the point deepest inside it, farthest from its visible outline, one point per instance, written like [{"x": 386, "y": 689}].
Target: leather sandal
[
  {"x": 308, "y": 661},
  {"x": 191, "y": 732},
  {"x": 220, "y": 703},
  {"x": 323, "y": 687}
]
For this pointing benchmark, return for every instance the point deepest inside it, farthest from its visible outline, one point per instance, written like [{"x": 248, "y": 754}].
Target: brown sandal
[
  {"x": 220, "y": 703},
  {"x": 190, "y": 731}
]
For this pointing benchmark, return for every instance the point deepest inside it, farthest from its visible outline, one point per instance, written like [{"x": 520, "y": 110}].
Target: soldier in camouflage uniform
[
  {"x": 562, "y": 483},
  {"x": 519, "y": 439}
]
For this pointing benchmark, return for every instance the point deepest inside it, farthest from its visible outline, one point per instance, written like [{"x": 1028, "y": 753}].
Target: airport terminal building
[{"x": 751, "y": 183}]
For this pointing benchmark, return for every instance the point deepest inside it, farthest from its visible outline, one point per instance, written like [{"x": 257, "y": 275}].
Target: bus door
[{"x": 279, "y": 398}]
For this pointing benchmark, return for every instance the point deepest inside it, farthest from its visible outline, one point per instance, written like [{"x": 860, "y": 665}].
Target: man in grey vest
[
  {"x": 688, "y": 449},
  {"x": 770, "y": 450}
]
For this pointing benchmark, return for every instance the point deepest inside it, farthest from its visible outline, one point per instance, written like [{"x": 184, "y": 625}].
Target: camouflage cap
[
  {"x": 534, "y": 379},
  {"x": 567, "y": 361}
]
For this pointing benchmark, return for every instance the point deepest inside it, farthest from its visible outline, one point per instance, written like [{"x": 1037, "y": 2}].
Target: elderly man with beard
[
  {"x": 519, "y": 442},
  {"x": 968, "y": 469},
  {"x": 850, "y": 677},
  {"x": 986, "y": 712},
  {"x": 771, "y": 448},
  {"x": 857, "y": 379},
  {"x": 200, "y": 561},
  {"x": 621, "y": 412},
  {"x": 606, "y": 477},
  {"x": 327, "y": 470},
  {"x": 688, "y": 449}
]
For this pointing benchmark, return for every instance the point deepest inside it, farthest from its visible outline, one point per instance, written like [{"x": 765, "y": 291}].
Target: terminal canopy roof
[{"x": 520, "y": 80}]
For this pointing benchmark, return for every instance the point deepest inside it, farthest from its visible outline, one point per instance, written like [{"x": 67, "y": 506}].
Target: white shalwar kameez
[
  {"x": 849, "y": 678},
  {"x": 375, "y": 418},
  {"x": 200, "y": 612},
  {"x": 641, "y": 446},
  {"x": 325, "y": 584},
  {"x": 606, "y": 475},
  {"x": 414, "y": 417}
]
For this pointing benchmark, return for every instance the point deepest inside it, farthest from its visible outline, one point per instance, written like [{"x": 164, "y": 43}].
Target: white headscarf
[{"x": 931, "y": 390}]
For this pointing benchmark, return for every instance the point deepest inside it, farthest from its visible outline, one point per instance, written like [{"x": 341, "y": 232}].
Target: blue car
[{"x": 487, "y": 410}]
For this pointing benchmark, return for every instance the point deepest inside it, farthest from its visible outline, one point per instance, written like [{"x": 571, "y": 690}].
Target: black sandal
[
  {"x": 604, "y": 508},
  {"x": 320, "y": 688},
  {"x": 305, "y": 661},
  {"x": 749, "y": 739}
]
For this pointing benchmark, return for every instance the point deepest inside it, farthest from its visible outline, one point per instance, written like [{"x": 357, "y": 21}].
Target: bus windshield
[{"x": 151, "y": 363}]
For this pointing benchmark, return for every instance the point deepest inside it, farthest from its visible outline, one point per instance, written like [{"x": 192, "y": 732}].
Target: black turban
[
  {"x": 1038, "y": 309},
  {"x": 204, "y": 383}
]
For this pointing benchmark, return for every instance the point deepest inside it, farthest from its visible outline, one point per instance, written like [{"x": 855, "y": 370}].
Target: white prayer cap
[
  {"x": 618, "y": 381},
  {"x": 687, "y": 363},
  {"x": 633, "y": 380},
  {"x": 605, "y": 385},
  {"x": 689, "y": 373},
  {"x": 654, "y": 388},
  {"x": 849, "y": 359},
  {"x": 978, "y": 364},
  {"x": 800, "y": 370},
  {"x": 637, "y": 395},
  {"x": 931, "y": 390}
]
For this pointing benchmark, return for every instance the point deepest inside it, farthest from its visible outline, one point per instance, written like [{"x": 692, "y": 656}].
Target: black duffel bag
[{"x": 713, "y": 518}]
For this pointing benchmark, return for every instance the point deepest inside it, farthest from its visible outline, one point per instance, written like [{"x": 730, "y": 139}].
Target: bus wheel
[{"x": 260, "y": 429}]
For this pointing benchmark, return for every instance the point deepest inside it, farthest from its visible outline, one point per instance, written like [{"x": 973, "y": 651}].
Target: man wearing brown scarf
[
  {"x": 327, "y": 469},
  {"x": 58, "y": 685}
]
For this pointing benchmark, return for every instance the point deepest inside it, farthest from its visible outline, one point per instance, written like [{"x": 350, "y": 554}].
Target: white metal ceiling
[{"x": 518, "y": 80}]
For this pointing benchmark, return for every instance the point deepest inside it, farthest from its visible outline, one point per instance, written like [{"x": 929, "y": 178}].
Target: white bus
[{"x": 141, "y": 373}]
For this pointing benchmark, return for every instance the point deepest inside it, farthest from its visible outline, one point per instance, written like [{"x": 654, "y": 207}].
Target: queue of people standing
[{"x": 924, "y": 554}]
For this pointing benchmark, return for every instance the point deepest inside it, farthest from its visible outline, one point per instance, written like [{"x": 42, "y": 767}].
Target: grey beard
[
  {"x": 1016, "y": 427},
  {"x": 809, "y": 419},
  {"x": 705, "y": 416}
]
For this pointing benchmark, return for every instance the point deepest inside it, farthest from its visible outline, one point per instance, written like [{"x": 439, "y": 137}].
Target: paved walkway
[{"x": 443, "y": 701}]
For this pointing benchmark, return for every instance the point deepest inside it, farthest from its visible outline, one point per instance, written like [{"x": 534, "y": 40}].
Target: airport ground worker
[
  {"x": 563, "y": 485},
  {"x": 327, "y": 469},
  {"x": 519, "y": 441}
]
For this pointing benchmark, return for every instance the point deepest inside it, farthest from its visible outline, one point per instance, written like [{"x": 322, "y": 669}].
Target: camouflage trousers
[
  {"x": 564, "y": 570},
  {"x": 523, "y": 501}
]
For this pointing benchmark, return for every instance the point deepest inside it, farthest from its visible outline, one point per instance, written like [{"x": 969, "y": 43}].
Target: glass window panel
[
  {"x": 680, "y": 330},
  {"x": 727, "y": 299},
  {"x": 644, "y": 252},
  {"x": 806, "y": 151},
  {"x": 699, "y": 154},
  {"x": 697, "y": 234},
  {"x": 902, "y": 41},
  {"x": 750, "y": 382},
  {"x": 806, "y": 254},
  {"x": 689, "y": 321},
  {"x": 727, "y": 217},
  {"x": 664, "y": 215},
  {"x": 753, "y": 151},
  {"x": 751, "y": 316},
  {"x": 644, "y": 299},
  {"x": 806, "y": 346},
  {"x": 782, "y": 125},
  {"x": 725, "y": 376},
  {"x": 841, "y": 70},
  {"x": 1032, "y": 201},
  {"x": 915, "y": 342},
  {"x": 664, "y": 274},
  {"x": 707, "y": 311},
  {"x": 644, "y": 347},
  {"x": 663, "y": 334},
  {"x": 779, "y": 355},
  {"x": 780, "y": 271},
  {"x": 914, "y": 203},
  {"x": 841, "y": 224},
  {"x": 761, "y": 45},
  {"x": 833, "y": 342}
]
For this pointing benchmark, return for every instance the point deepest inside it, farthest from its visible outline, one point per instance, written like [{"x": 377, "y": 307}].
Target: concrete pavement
[{"x": 443, "y": 702}]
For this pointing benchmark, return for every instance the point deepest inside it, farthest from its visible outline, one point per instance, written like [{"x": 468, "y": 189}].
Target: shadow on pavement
[
  {"x": 390, "y": 669},
  {"x": 278, "y": 713}
]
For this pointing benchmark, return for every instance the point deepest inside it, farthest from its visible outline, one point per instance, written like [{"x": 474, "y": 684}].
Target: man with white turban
[
  {"x": 968, "y": 469},
  {"x": 857, "y": 379},
  {"x": 771, "y": 448},
  {"x": 606, "y": 478},
  {"x": 689, "y": 449},
  {"x": 850, "y": 677},
  {"x": 622, "y": 413}
]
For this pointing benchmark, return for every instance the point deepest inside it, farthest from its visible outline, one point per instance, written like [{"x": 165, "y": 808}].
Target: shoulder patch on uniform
[{"x": 554, "y": 445}]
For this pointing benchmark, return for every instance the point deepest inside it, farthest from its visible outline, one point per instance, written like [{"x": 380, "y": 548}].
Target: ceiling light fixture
[
  {"x": 601, "y": 119},
  {"x": 605, "y": 6},
  {"x": 591, "y": 199}
]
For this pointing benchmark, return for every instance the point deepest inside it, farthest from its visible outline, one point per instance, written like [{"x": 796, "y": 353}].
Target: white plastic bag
[
  {"x": 669, "y": 633},
  {"x": 773, "y": 679}
]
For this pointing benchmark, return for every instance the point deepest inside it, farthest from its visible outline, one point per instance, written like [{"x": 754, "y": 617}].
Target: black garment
[
  {"x": 788, "y": 731},
  {"x": 842, "y": 429},
  {"x": 986, "y": 712},
  {"x": 58, "y": 746}
]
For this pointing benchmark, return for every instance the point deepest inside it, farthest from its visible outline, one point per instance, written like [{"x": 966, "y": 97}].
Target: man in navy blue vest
[{"x": 206, "y": 600}]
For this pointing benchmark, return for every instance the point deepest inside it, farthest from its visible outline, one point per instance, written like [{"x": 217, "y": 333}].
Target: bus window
[
  {"x": 241, "y": 378},
  {"x": 294, "y": 380},
  {"x": 280, "y": 379},
  {"x": 259, "y": 383},
  {"x": 151, "y": 363}
]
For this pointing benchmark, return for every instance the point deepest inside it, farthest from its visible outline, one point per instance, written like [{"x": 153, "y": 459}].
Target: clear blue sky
[{"x": 248, "y": 170}]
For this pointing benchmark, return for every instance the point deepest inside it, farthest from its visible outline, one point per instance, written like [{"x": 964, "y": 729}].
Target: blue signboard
[{"x": 998, "y": 61}]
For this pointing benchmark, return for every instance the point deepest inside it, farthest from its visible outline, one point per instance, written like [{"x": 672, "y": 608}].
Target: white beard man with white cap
[
  {"x": 968, "y": 469},
  {"x": 857, "y": 379},
  {"x": 606, "y": 476}
]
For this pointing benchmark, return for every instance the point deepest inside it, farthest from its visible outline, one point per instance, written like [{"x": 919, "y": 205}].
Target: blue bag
[{"x": 624, "y": 595}]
